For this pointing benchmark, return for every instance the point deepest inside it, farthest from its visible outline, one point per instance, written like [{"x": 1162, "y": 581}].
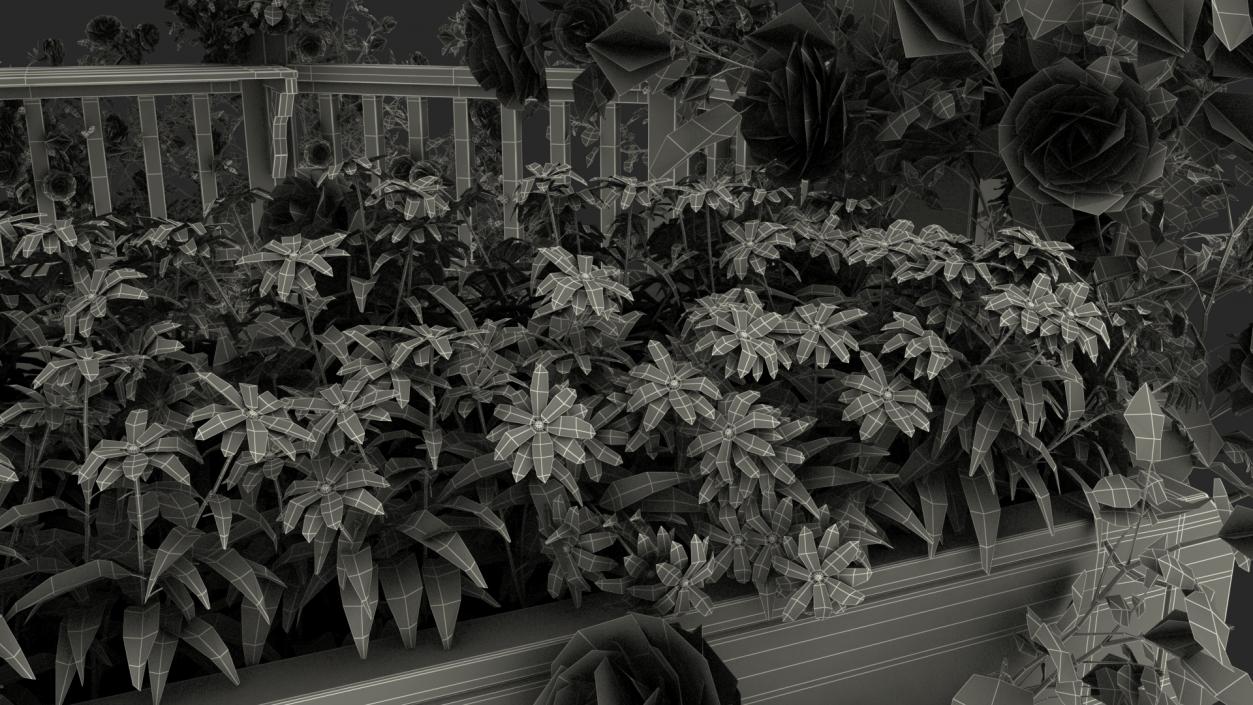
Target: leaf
[
  {"x": 1147, "y": 422},
  {"x": 359, "y": 595},
  {"x": 63, "y": 668},
  {"x": 159, "y": 660},
  {"x": 1232, "y": 25},
  {"x": 29, "y": 510},
  {"x": 636, "y": 488},
  {"x": 1221, "y": 683},
  {"x": 714, "y": 125},
  {"x": 986, "y": 690},
  {"x": 992, "y": 418},
  {"x": 442, "y": 581},
  {"x": 1117, "y": 491},
  {"x": 222, "y": 515},
  {"x": 255, "y": 625},
  {"x": 441, "y": 538},
  {"x": 403, "y": 589},
  {"x": 175, "y": 544},
  {"x": 11, "y": 652},
  {"x": 238, "y": 572},
  {"x": 140, "y": 625},
  {"x": 69, "y": 580},
  {"x": 80, "y": 627},
  {"x": 202, "y": 637},
  {"x": 1208, "y": 627},
  {"x": 891, "y": 505},
  {"x": 1044, "y": 16},
  {"x": 985, "y": 513}
]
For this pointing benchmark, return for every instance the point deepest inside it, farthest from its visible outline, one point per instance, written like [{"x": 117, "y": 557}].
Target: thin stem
[
  {"x": 139, "y": 527},
  {"x": 226, "y": 468},
  {"x": 403, "y": 287},
  {"x": 709, "y": 249},
  {"x": 317, "y": 349},
  {"x": 87, "y": 487}
]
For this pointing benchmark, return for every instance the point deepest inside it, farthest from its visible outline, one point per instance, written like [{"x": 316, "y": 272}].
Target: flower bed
[{"x": 217, "y": 441}]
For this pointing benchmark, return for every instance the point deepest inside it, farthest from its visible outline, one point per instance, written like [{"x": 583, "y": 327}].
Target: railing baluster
[
  {"x": 39, "y": 157},
  {"x": 608, "y": 159},
  {"x": 101, "y": 199},
  {"x": 558, "y": 134},
  {"x": 153, "y": 172},
  {"x": 461, "y": 146},
  {"x": 256, "y": 134},
  {"x": 711, "y": 160},
  {"x": 510, "y": 167},
  {"x": 204, "y": 150},
  {"x": 419, "y": 125},
  {"x": 326, "y": 121},
  {"x": 741, "y": 154},
  {"x": 372, "y": 131}
]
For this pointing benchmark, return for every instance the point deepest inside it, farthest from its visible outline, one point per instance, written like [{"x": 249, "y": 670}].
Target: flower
[
  {"x": 576, "y": 22},
  {"x": 663, "y": 384},
  {"x": 310, "y": 45},
  {"x": 636, "y": 659},
  {"x": 875, "y": 400},
  {"x": 333, "y": 484},
  {"x": 542, "y": 433},
  {"x": 149, "y": 35},
  {"x": 826, "y": 580},
  {"x": 1084, "y": 138},
  {"x": 301, "y": 206},
  {"x": 505, "y": 51},
  {"x": 115, "y": 129},
  {"x": 820, "y": 330},
  {"x": 12, "y": 169},
  {"x": 104, "y": 29},
  {"x": 318, "y": 153},
  {"x": 59, "y": 185},
  {"x": 795, "y": 113}
]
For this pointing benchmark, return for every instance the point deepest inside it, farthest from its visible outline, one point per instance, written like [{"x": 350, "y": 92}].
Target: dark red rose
[
  {"x": 505, "y": 51},
  {"x": 318, "y": 153},
  {"x": 794, "y": 111},
  {"x": 149, "y": 35},
  {"x": 59, "y": 185},
  {"x": 576, "y": 22},
  {"x": 104, "y": 29},
  {"x": 1084, "y": 138}
]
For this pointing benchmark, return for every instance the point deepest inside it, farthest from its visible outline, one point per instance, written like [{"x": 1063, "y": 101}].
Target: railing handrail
[
  {"x": 428, "y": 81},
  {"x": 102, "y": 81}
]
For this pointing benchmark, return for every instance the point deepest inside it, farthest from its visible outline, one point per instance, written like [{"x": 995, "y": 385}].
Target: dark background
[{"x": 26, "y": 23}]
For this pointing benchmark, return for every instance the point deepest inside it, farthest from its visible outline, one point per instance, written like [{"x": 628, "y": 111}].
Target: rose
[
  {"x": 104, "y": 29},
  {"x": 148, "y": 34},
  {"x": 59, "y": 185},
  {"x": 505, "y": 51},
  {"x": 12, "y": 169},
  {"x": 300, "y": 206},
  {"x": 115, "y": 129},
  {"x": 309, "y": 46},
  {"x": 1084, "y": 138},
  {"x": 318, "y": 153},
  {"x": 795, "y": 112},
  {"x": 640, "y": 659},
  {"x": 577, "y": 22}
]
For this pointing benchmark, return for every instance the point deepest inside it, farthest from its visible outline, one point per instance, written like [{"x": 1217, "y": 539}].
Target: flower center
[
  {"x": 674, "y": 383},
  {"x": 742, "y": 335},
  {"x": 132, "y": 449},
  {"x": 293, "y": 256},
  {"x": 887, "y": 395},
  {"x": 737, "y": 541},
  {"x": 538, "y": 425},
  {"x": 567, "y": 548},
  {"x": 1068, "y": 314},
  {"x": 818, "y": 577},
  {"x": 324, "y": 488},
  {"x": 586, "y": 276},
  {"x": 728, "y": 433},
  {"x": 816, "y": 328},
  {"x": 342, "y": 408},
  {"x": 685, "y": 583},
  {"x": 772, "y": 539},
  {"x": 252, "y": 414}
]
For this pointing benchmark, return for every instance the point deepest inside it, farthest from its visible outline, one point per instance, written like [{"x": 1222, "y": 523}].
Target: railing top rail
[
  {"x": 99, "y": 81},
  {"x": 437, "y": 82}
]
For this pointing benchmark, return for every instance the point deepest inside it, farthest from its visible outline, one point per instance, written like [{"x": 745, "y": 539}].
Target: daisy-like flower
[
  {"x": 579, "y": 284},
  {"x": 664, "y": 385},
  {"x": 341, "y": 409},
  {"x": 145, "y": 446},
  {"x": 93, "y": 292},
  {"x": 1077, "y": 319},
  {"x": 1029, "y": 252},
  {"x": 1024, "y": 309},
  {"x": 291, "y": 262},
  {"x": 930, "y": 352},
  {"x": 640, "y": 564},
  {"x": 737, "y": 551},
  {"x": 827, "y": 240},
  {"x": 331, "y": 484},
  {"x": 875, "y": 400},
  {"x": 540, "y": 435},
  {"x": 754, "y": 245},
  {"x": 249, "y": 414},
  {"x": 741, "y": 432},
  {"x": 767, "y": 526},
  {"x": 685, "y": 573},
  {"x": 828, "y": 581},
  {"x": 573, "y": 543},
  {"x": 821, "y": 330},
  {"x": 741, "y": 336}
]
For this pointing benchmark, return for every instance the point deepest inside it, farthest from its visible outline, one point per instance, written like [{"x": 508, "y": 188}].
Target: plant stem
[
  {"x": 88, "y": 486},
  {"x": 317, "y": 349},
  {"x": 709, "y": 248},
  {"x": 403, "y": 287},
  {"x": 226, "y": 468},
  {"x": 139, "y": 527}
]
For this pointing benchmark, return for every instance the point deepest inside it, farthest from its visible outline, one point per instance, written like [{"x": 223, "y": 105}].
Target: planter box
[{"x": 927, "y": 624}]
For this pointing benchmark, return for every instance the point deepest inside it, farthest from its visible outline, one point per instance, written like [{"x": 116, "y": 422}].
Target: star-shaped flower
[
  {"x": 827, "y": 580},
  {"x": 540, "y": 435},
  {"x": 873, "y": 399}
]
